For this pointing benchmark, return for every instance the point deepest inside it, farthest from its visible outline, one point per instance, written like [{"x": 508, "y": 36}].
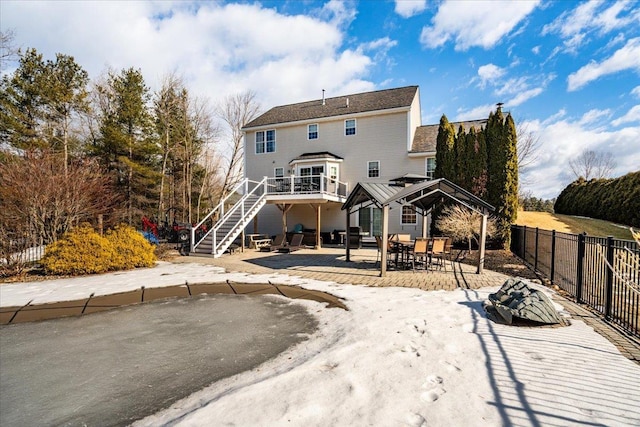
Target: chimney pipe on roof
[
  {"x": 322, "y": 96},
  {"x": 347, "y": 102}
]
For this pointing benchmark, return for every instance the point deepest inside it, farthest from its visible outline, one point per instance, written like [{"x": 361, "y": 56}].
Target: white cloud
[
  {"x": 633, "y": 115},
  {"x": 535, "y": 50},
  {"x": 625, "y": 58},
  {"x": 598, "y": 17},
  {"x": 522, "y": 97},
  {"x": 636, "y": 91},
  {"x": 563, "y": 139},
  {"x": 490, "y": 73},
  {"x": 218, "y": 48},
  {"x": 408, "y": 8},
  {"x": 478, "y": 23},
  {"x": 593, "y": 117}
]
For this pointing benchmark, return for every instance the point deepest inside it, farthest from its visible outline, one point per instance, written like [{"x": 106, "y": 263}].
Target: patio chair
[
  {"x": 392, "y": 250},
  {"x": 295, "y": 245},
  {"x": 437, "y": 251},
  {"x": 447, "y": 251},
  {"x": 419, "y": 252},
  {"x": 278, "y": 243},
  {"x": 404, "y": 237}
]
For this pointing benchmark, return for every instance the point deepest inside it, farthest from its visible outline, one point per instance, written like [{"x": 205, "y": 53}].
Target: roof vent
[
  {"x": 347, "y": 102},
  {"x": 323, "y": 103}
]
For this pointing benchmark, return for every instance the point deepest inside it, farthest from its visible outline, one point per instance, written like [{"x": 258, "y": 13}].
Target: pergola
[{"x": 423, "y": 196}]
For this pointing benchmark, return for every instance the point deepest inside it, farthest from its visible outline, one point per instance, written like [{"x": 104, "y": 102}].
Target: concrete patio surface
[{"x": 329, "y": 264}]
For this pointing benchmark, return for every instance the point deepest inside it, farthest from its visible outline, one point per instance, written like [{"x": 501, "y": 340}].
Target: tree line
[
  {"x": 485, "y": 162},
  {"x": 616, "y": 200},
  {"x": 73, "y": 149}
]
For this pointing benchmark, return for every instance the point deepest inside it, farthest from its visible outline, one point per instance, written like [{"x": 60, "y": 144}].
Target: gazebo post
[
  {"x": 317, "y": 208},
  {"x": 425, "y": 216},
  {"x": 385, "y": 240},
  {"x": 483, "y": 240},
  {"x": 348, "y": 236}
]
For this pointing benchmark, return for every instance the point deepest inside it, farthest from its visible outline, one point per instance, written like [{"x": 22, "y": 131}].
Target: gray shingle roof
[
  {"x": 319, "y": 155},
  {"x": 358, "y": 103},
  {"x": 425, "y": 138}
]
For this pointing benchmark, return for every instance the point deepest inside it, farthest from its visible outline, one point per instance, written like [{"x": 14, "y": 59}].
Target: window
[
  {"x": 430, "y": 167},
  {"x": 373, "y": 169},
  {"x": 266, "y": 141},
  {"x": 312, "y": 132},
  {"x": 409, "y": 215},
  {"x": 350, "y": 127},
  {"x": 333, "y": 172},
  {"x": 259, "y": 142},
  {"x": 278, "y": 172}
]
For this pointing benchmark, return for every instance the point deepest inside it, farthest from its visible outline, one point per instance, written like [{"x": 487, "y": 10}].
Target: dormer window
[
  {"x": 312, "y": 131},
  {"x": 350, "y": 127}
]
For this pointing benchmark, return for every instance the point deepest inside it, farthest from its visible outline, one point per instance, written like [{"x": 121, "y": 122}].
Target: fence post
[
  {"x": 609, "y": 286},
  {"x": 535, "y": 257},
  {"x": 524, "y": 244},
  {"x": 553, "y": 256},
  {"x": 580, "y": 267}
]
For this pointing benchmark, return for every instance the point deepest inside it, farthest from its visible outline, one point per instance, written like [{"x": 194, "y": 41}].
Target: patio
[{"x": 329, "y": 264}]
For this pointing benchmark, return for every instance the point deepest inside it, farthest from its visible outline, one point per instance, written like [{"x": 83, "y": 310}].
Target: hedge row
[
  {"x": 83, "y": 251},
  {"x": 616, "y": 200}
]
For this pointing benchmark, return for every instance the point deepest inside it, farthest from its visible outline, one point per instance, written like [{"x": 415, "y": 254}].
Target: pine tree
[{"x": 126, "y": 143}]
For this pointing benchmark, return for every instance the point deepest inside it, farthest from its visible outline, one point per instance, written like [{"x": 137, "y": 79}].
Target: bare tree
[
  {"x": 528, "y": 146},
  {"x": 463, "y": 224},
  {"x": 592, "y": 164},
  {"x": 8, "y": 51},
  {"x": 236, "y": 111}
]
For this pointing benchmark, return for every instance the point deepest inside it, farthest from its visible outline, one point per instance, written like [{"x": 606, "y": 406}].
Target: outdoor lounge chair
[
  {"x": 278, "y": 243},
  {"x": 296, "y": 244}
]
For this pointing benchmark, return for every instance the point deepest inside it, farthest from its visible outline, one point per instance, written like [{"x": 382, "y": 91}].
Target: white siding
[{"x": 382, "y": 137}]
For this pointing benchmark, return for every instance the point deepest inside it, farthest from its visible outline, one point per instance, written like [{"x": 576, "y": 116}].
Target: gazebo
[{"x": 424, "y": 196}]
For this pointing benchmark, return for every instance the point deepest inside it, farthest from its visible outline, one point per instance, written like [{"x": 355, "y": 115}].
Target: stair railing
[{"x": 225, "y": 216}]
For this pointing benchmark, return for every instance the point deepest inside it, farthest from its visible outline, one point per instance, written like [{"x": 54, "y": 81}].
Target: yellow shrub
[
  {"x": 83, "y": 251},
  {"x": 131, "y": 248},
  {"x": 80, "y": 251}
]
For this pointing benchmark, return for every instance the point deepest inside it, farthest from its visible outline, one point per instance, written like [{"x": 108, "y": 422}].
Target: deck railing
[
  {"x": 308, "y": 184},
  {"x": 579, "y": 264}
]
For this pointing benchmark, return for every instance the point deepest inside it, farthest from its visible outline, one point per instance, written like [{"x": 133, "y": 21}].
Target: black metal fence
[{"x": 577, "y": 263}]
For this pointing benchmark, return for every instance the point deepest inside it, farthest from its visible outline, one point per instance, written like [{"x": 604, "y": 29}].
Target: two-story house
[{"x": 314, "y": 152}]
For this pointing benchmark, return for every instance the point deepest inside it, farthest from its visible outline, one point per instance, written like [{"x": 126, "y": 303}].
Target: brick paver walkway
[{"x": 329, "y": 264}]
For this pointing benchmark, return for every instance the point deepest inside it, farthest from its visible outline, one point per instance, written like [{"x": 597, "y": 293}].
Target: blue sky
[{"x": 567, "y": 71}]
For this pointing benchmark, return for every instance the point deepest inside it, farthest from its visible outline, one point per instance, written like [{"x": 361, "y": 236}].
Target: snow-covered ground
[{"x": 398, "y": 357}]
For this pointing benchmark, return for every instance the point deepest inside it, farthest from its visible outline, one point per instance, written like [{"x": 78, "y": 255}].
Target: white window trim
[
  {"x": 264, "y": 141},
  {"x": 426, "y": 164},
  {"x": 402, "y": 216},
  {"x": 355, "y": 127},
  {"x": 379, "y": 168},
  {"x": 275, "y": 174},
  {"x": 317, "y": 132}
]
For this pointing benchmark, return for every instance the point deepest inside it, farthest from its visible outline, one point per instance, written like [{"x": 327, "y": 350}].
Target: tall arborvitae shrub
[
  {"x": 461, "y": 163},
  {"x": 477, "y": 152},
  {"x": 445, "y": 154},
  {"x": 616, "y": 200}
]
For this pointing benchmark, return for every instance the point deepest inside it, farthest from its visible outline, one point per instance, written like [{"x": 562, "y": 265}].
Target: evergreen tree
[
  {"x": 445, "y": 154},
  {"x": 126, "y": 144},
  {"x": 21, "y": 104},
  {"x": 477, "y": 164},
  {"x": 461, "y": 160},
  {"x": 65, "y": 95},
  {"x": 39, "y": 102},
  {"x": 502, "y": 168}
]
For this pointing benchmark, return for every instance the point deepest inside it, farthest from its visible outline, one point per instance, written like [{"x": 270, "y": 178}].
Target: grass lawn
[{"x": 573, "y": 224}]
